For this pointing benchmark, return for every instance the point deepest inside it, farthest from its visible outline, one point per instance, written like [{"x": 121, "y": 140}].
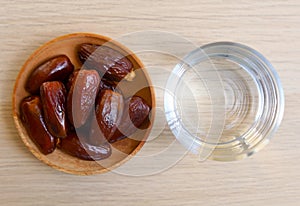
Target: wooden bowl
[{"x": 121, "y": 150}]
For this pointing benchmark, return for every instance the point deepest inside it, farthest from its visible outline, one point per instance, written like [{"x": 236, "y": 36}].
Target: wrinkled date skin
[
  {"x": 82, "y": 95},
  {"x": 53, "y": 96},
  {"x": 136, "y": 111},
  {"x": 31, "y": 111},
  {"x": 106, "y": 84},
  {"x": 57, "y": 68},
  {"x": 109, "y": 62},
  {"x": 83, "y": 150},
  {"x": 109, "y": 109}
]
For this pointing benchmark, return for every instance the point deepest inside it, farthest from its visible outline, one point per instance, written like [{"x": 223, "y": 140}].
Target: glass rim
[{"x": 245, "y": 52}]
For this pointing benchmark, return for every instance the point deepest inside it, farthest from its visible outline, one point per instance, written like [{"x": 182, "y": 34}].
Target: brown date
[
  {"x": 106, "y": 84},
  {"x": 96, "y": 136},
  {"x": 31, "y": 113},
  {"x": 71, "y": 79},
  {"x": 82, "y": 95},
  {"x": 78, "y": 147},
  {"x": 53, "y": 96},
  {"x": 107, "y": 61},
  {"x": 57, "y": 68},
  {"x": 109, "y": 109},
  {"x": 136, "y": 110}
]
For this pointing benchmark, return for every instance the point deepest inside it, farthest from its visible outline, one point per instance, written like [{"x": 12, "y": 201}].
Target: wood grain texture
[{"x": 270, "y": 177}]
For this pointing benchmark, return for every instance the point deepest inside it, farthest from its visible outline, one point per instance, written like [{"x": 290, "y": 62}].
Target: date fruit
[
  {"x": 106, "y": 84},
  {"x": 136, "y": 110},
  {"x": 53, "y": 96},
  {"x": 81, "y": 149},
  {"x": 107, "y": 61},
  {"x": 31, "y": 113},
  {"x": 82, "y": 95},
  {"x": 57, "y": 68},
  {"x": 96, "y": 136},
  {"x": 109, "y": 109},
  {"x": 71, "y": 79}
]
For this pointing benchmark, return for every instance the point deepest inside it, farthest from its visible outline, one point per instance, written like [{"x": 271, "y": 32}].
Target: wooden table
[{"x": 270, "y": 177}]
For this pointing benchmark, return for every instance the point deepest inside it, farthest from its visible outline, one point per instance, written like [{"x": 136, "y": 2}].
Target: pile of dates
[{"x": 80, "y": 111}]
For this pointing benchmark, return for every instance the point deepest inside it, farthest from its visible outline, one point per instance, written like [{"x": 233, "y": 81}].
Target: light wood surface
[{"x": 270, "y": 177}]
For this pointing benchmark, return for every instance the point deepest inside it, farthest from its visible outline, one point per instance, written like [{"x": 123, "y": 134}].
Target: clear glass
[{"x": 224, "y": 101}]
